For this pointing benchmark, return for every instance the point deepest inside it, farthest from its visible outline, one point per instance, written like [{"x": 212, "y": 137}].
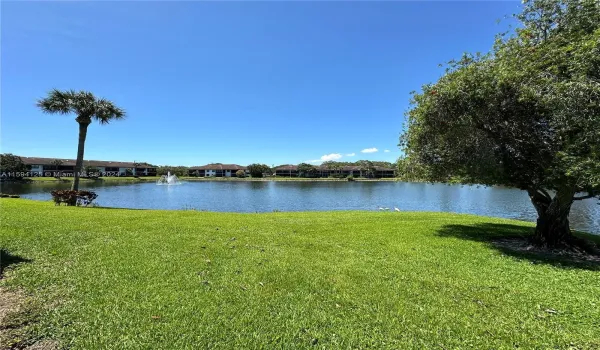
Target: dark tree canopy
[
  {"x": 526, "y": 115},
  {"x": 10, "y": 163},
  {"x": 307, "y": 170},
  {"x": 257, "y": 170}
]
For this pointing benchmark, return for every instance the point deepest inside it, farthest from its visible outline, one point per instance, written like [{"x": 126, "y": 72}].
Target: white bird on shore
[
  {"x": 396, "y": 209},
  {"x": 386, "y": 208},
  {"x": 380, "y": 208}
]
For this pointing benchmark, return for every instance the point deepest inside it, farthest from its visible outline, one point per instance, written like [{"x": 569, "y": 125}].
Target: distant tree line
[
  {"x": 174, "y": 170},
  {"x": 406, "y": 169}
]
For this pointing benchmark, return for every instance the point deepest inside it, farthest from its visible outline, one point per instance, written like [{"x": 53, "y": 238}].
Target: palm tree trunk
[{"x": 80, "y": 148}]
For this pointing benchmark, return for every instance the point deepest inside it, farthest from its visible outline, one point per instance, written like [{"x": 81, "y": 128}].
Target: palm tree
[{"x": 87, "y": 107}]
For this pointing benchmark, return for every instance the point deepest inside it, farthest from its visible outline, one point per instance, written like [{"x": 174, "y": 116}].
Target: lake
[{"x": 267, "y": 196}]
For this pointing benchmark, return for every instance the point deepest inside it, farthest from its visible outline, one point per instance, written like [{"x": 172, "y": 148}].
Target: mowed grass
[{"x": 140, "y": 279}]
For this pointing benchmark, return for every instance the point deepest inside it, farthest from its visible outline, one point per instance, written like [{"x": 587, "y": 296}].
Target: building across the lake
[
  {"x": 216, "y": 169},
  {"x": 290, "y": 170},
  {"x": 50, "y": 166},
  {"x": 54, "y": 166}
]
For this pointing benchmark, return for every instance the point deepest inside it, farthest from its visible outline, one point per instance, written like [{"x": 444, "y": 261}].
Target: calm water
[{"x": 301, "y": 196}]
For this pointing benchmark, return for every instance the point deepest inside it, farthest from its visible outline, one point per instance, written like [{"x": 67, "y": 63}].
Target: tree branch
[{"x": 544, "y": 193}]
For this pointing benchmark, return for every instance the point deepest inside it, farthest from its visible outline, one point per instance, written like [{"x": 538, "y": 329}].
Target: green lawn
[{"x": 138, "y": 279}]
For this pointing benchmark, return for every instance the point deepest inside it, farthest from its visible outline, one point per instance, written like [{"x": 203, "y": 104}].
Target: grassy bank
[{"x": 132, "y": 279}]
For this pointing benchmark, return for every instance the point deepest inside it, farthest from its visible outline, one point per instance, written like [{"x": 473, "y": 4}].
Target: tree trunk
[
  {"x": 80, "y": 148},
  {"x": 552, "y": 229}
]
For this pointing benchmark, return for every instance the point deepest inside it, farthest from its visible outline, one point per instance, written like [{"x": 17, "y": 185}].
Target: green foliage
[
  {"x": 72, "y": 197},
  {"x": 307, "y": 170},
  {"x": 367, "y": 168},
  {"x": 174, "y": 170},
  {"x": 88, "y": 108},
  {"x": 240, "y": 173},
  {"x": 526, "y": 115},
  {"x": 379, "y": 280},
  {"x": 409, "y": 169},
  {"x": 91, "y": 171},
  {"x": 84, "y": 104},
  {"x": 257, "y": 170},
  {"x": 10, "y": 163},
  {"x": 334, "y": 164}
]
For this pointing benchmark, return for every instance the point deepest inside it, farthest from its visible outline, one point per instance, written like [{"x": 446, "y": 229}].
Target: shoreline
[{"x": 196, "y": 179}]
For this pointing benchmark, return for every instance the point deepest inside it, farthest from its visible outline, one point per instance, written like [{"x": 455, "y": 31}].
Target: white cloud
[
  {"x": 387, "y": 151},
  {"x": 369, "y": 150},
  {"x": 350, "y": 154},
  {"x": 332, "y": 156},
  {"x": 314, "y": 161}
]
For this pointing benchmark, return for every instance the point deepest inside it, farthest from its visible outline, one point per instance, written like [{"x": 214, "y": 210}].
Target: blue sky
[{"x": 231, "y": 82}]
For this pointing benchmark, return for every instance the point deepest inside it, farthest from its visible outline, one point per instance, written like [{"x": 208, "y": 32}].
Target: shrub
[
  {"x": 240, "y": 173},
  {"x": 70, "y": 197}
]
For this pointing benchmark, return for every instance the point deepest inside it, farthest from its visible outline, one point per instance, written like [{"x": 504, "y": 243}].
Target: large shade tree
[
  {"x": 87, "y": 108},
  {"x": 526, "y": 115}
]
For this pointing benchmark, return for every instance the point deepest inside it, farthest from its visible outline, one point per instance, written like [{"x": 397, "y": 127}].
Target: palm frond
[
  {"x": 106, "y": 111},
  {"x": 57, "y": 102},
  {"x": 85, "y": 104},
  {"x": 82, "y": 103}
]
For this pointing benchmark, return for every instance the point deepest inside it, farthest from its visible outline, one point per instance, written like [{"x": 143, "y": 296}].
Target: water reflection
[{"x": 265, "y": 196}]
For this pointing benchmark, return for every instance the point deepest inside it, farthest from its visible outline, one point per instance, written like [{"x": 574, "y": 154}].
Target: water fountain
[{"x": 168, "y": 180}]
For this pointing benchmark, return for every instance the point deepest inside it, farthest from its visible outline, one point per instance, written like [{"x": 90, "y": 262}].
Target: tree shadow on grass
[
  {"x": 514, "y": 241},
  {"x": 112, "y": 208},
  {"x": 7, "y": 259}
]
